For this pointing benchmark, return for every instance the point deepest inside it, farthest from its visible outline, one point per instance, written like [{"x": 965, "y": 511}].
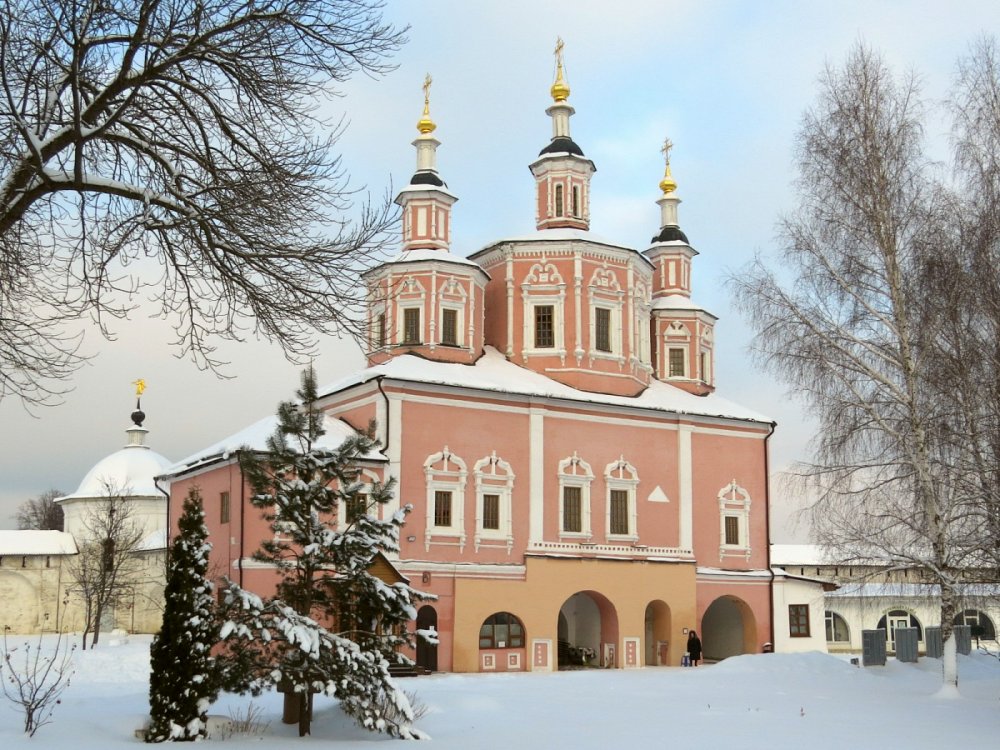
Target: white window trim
[
  {"x": 621, "y": 475},
  {"x": 494, "y": 477},
  {"x": 605, "y": 292},
  {"x": 734, "y": 501},
  {"x": 543, "y": 285},
  {"x": 367, "y": 477},
  {"x": 447, "y": 295},
  {"x": 450, "y": 478},
  {"x": 575, "y": 472}
]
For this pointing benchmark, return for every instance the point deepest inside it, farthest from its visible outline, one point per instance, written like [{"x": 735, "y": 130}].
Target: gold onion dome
[
  {"x": 667, "y": 184},
  {"x": 425, "y": 124}
]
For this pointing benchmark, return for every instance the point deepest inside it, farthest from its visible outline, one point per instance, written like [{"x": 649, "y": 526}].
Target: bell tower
[
  {"x": 683, "y": 334},
  {"x": 562, "y": 173}
]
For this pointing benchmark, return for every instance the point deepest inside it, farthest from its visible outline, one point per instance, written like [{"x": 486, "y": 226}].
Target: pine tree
[
  {"x": 184, "y": 680},
  {"x": 332, "y": 627}
]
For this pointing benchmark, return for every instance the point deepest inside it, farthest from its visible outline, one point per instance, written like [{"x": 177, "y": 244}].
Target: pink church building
[{"x": 547, "y": 406}]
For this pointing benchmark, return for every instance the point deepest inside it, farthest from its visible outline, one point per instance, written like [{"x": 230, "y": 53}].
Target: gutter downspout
[
  {"x": 156, "y": 483},
  {"x": 767, "y": 521},
  {"x": 243, "y": 508},
  {"x": 378, "y": 382}
]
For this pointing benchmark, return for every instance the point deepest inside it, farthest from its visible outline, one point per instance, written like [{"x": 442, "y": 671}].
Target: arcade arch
[{"x": 728, "y": 628}]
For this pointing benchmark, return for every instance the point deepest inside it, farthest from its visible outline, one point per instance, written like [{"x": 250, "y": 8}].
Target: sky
[
  {"x": 727, "y": 82},
  {"x": 754, "y": 702}
]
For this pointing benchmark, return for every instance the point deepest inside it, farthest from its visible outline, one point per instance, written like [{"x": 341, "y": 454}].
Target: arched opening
[
  {"x": 657, "y": 633},
  {"x": 588, "y": 631},
  {"x": 836, "y": 628},
  {"x": 898, "y": 618},
  {"x": 728, "y": 629},
  {"x": 980, "y": 625},
  {"x": 427, "y": 653}
]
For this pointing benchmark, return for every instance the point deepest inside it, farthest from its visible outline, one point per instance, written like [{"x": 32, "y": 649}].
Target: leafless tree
[
  {"x": 105, "y": 570},
  {"x": 36, "y": 682},
  {"x": 42, "y": 512},
  {"x": 173, "y": 146},
  {"x": 857, "y": 330}
]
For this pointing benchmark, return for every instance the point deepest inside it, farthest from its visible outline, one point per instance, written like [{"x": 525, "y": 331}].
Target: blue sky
[{"x": 726, "y": 81}]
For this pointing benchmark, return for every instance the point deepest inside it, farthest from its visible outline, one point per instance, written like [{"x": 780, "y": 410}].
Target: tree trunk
[{"x": 949, "y": 659}]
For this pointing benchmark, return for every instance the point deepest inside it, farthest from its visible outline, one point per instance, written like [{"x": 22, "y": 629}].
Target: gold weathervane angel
[{"x": 140, "y": 386}]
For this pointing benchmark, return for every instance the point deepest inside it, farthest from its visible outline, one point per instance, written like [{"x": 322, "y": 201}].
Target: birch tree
[
  {"x": 173, "y": 148},
  {"x": 852, "y": 324}
]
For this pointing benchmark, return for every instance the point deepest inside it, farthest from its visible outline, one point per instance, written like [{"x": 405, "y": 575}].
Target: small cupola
[
  {"x": 562, "y": 172},
  {"x": 683, "y": 334},
  {"x": 426, "y": 200}
]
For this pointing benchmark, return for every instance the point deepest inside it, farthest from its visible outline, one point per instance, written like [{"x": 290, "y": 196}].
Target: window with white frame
[
  {"x": 451, "y": 313},
  {"x": 543, "y": 294},
  {"x": 836, "y": 628},
  {"x": 640, "y": 322},
  {"x": 606, "y": 300},
  {"x": 676, "y": 362},
  {"x": 410, "y": 299},
  {"x": 676, "y": 340},
  {"x": 575, "y": 478},
  {"x": 494, "y": 486},
  {"x": 349, "y": 508},
  {"x": 734, "y": 521},
  {"x": 621, "y": 519},
  {"x": 445, "y": 475}
]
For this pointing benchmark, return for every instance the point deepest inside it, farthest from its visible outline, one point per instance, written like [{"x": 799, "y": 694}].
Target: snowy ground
[{"x": 806, "y": 701}]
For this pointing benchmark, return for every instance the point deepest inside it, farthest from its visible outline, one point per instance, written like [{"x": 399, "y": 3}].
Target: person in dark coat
[{"x": 694, "y": 648}]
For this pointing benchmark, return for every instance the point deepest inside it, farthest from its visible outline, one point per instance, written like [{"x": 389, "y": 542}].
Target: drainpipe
[
  {"x": 156, "y": 483},
  {"x": 767, "y": 520},
  {"x": 378, "y": 382},
  {"x": 243, "y": 509}
]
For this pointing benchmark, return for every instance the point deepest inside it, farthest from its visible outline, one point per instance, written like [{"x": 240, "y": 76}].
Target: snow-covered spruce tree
[
  {"x": 332, "y": 627},
  {"x": 184, "y": 680}
]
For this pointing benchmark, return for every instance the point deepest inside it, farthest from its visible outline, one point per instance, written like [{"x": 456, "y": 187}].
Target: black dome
[
  {"x": 671, "y": 233},
  {"x": 427, "y": 178},
  {"x": 561, "y": 145}
]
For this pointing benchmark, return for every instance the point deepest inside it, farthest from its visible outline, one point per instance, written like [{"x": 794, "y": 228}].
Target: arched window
[
  {"x": 899, "y": 618},
  {"x": 836, "y": 628},
  {"x": 559, "y": 200},
  {"x": 980, "y": 625},
  {"x": 501, "y": 630}
]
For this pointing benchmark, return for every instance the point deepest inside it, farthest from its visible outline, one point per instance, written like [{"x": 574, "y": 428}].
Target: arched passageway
[
  {"x": 657, "y": 633},
  {"x": 588, "y": 631},
  {"x": 728, "y": 628}
]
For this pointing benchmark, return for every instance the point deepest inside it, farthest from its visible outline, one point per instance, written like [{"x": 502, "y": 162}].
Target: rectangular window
[
  {"x": 675, "y": 359},
  {"x": 798, "y": 620},
  {"x": 703, "y": 366},
  {"x": 544, "y": 327},
  {"x": 411, "y": 325},
  {"x": 223, "y": 507},
  {"x": 559, "y": 200},
  {"x": 380, "y": 330},
  {"x": 576, "y": 201},
  {"x": 732, "y": 530},
  {"x": 572, "y": 509},
  {"x": 449, "y": 327},
  {"x": 602, "y": 329},
  {"x": 491, "y": 512},
  {"x": 442, "y": 508},
  {"x": 356, "y": 506},
  {"x": 619, "y": 512}
]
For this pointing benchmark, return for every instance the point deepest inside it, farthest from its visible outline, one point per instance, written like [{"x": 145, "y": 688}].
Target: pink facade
[{"x": 578, "y": 491}]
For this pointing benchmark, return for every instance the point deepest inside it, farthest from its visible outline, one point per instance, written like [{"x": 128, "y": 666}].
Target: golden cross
[
  {"x": 559, "y": 49},
  {"x": 140, "y": 386},
  {"x": 667, "y": 146},
  {"x": 427, "y": 89}
]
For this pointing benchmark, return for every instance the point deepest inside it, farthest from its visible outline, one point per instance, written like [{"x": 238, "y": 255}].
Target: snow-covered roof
[
  {"x": 799, "y": 554},
  {"x": 560, "y": 235},
  {"x": 153, "y": 541},
  {"x": 36, "y": 543},
  {"x": 425, "y": 255},
  {"x": 677, "y": 302},
  {"x": 909, "y": 590},
  {"x": 130, "y": 469},
  {"x": 255, "y": 437},
  {"x": 493, "y": 372}
]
